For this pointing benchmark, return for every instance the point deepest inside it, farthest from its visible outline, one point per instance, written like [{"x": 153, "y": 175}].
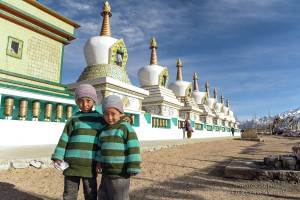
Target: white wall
[{"x": 17, "y": 133}]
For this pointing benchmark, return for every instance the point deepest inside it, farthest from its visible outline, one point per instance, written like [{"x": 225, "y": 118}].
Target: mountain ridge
[{"x": 268, "y": 119}]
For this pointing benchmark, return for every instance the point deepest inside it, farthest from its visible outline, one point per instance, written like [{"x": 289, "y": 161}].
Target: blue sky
[{"x": 249, "y": 50}]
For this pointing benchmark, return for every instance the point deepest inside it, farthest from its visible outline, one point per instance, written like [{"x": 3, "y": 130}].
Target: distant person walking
[
  {"x": 232, "y": 131},
  {"x": 188, "y": 129}
]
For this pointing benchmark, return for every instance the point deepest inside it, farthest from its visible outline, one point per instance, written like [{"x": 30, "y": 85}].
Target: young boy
[
  {"x": 78, "y": 143},
  {"x": 118, "y": 153}
]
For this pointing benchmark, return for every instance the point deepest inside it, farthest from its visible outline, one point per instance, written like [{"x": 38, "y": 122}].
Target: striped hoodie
[
  {"x": 78, "y": 143},
  {"x": 118, "y": 150}
]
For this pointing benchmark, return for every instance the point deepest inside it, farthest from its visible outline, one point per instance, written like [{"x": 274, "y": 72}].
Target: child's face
[
  {"x": 112, "y": 116},
  {"x": 85, "y": 104}
]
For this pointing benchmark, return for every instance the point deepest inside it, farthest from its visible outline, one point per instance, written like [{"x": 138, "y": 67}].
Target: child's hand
[
  {"x": 98, "y": 168},
  {"x": 127, "y": 119},
  {"x": 58, "y": 162}
]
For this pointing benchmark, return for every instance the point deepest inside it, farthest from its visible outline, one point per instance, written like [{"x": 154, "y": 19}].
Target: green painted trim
[
  {"x": 192, "y": 123},
  {"x": 32, "y": 78},
  {"x": 36, "y": 27},
  {"x": 40, "y": 20},
  {"x": 34, "y": 91},
  {"x": 35, "y": 86},
  {"x": 61, "y": 62},
  {"x": 9, "y": 41},
  {"x": 148, "y": 117},
  {"x": 175, "y": 121}
]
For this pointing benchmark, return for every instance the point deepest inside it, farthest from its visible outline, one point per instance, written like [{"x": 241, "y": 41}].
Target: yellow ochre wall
[{"x": 41, "y": 56}]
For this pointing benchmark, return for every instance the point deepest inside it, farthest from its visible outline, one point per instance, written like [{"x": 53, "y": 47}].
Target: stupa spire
[
  {"x": 179, "y": 72},
  {"x": 207, "y": 89},
  {"x": 153, "y": 47},
  {"x": 215, "y": 94},
  {"x": 195, "y": 77},
  {"x": 227, "y": 103},
  {"x": 222, "y": 99},
  {"x": 105, "y": 29}
]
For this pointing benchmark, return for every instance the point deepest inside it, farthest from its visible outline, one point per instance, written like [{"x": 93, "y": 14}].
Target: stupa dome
[
  {"x": 199, "y": 97},
  {"x": 180, "y": 87},
  {"x": 210, "y": 102},
  {"x": 97, "y": 50},
  {"x": 153, "y": 74},
  {"x": 219, "y": 107}
]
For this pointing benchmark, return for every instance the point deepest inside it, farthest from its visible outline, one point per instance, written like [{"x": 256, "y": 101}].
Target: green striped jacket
[
  {"x": 78, "y": 144},
  {"x": 118, "y": 151}
]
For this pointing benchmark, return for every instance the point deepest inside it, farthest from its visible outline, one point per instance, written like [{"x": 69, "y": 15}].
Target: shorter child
[{"x": 118, "y": 153}]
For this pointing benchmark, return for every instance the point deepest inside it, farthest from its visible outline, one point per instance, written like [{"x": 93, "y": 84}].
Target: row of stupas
[
  {"x": 34, "y": 99},
  {"x": 106, "y": 59}
]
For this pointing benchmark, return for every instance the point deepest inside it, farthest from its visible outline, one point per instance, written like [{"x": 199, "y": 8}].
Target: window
[
  {"x": 14, "y": 47},
  {"x": 119, "y": 58},
  {"x": 164, "y": 80}
]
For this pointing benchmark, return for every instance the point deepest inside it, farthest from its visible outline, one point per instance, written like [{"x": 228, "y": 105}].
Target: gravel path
[{"x": 193, "y": 171}]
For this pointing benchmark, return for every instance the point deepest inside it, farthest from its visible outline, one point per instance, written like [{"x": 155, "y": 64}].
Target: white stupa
[
  {"x": 200, "y": 97},
  {"x": 154, "y": 78},
  {"x": 105, "y": 56},
  {"x": 183, "y": 91},
  {"x": 218, "y": 112},
  {"x": 106, "y": 59},
  {"x": 207, "y": 114}
]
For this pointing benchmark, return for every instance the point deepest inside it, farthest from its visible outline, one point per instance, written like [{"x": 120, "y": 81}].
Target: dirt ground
[{"x": 193, "y": 171}]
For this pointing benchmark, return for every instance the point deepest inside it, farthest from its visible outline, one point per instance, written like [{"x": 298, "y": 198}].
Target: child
[
  {"x": 78, "y": 143},
  {"x": 118, "y": 153}
]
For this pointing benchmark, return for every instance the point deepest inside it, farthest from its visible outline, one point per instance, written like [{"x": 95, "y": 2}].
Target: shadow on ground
[
  {"x": 209, "y": 178},
  {"x": 9, "y": 192}
]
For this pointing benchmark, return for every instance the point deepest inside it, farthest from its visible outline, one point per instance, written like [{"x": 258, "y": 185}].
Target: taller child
[{"x": 78, "y": 143}]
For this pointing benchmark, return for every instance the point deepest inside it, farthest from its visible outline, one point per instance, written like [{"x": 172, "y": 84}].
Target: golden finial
[
  {"x": 106, "y": 7},
  {"x": 179, "y": 73},
  {"x": 215, "y": 93},
  {"x": 153, "y": 43},
  {"x": 207, "y": 89},
  {"x": 195, "y": 77},
  {"x": 179, "y": 63},
  {"x": 105, "y": 30},
  {"x": 222, "y": 98},
  {"x": 153, "y": 47},
  {"x": 195, "y": 82}
]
